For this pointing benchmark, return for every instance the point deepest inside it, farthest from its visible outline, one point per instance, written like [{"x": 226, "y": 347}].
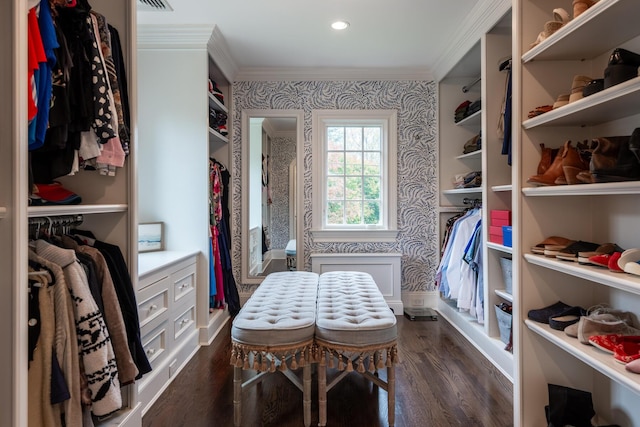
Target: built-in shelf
[
  {"x": 609, "y": 188},
  {"x": 597, "y": 359},
  {"x": 504, "y": 295},
  {"x": 499, "y": 247},
  {"x": 463, "y": 190},
  {"x": 617, "y": 19},
  {"x": 216, "y": 105},
  {"x": 451, "y": 209},
  {"x": 474, "y": 120},
  {"x": 215, "y": 136},
  {"x": 623, "y": 281},
  {"x": 473, "y": 155},
  {"x": 500, "y": 188},
  {"x": 35, "y": 211},
  {"x": 621, "y": 100}
]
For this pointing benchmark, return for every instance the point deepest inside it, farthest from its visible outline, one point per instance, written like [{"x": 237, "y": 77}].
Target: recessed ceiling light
[{"x": 340, "y": 25}]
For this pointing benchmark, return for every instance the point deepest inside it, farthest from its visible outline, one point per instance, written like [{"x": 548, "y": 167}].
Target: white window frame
[{"x": 388, "y": 231}]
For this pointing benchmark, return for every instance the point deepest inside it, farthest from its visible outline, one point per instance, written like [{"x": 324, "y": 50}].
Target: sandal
[
  {"x": 549, "y": 242},
  {"x": 579, "y": 6}
]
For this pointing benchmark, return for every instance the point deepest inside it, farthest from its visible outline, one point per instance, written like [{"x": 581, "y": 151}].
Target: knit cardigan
[{"x": 94, "y": 343}]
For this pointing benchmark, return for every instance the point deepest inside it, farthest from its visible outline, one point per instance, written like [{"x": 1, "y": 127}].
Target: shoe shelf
[
  {"x": 473, "y": 155},
  {"x": 500, "y": 188},
  {"x": 615, "y": 20},
  {"x": 38, "y": 211},
  {"x": 504, "y": 295},
  {"x": 623, "y": 281},
  {"x": 618, "y": 101},
  {"x": 597, "y": 359},
  {"x": 217, "y": 137},
  {"x": 498, "y": 247},
  {"x": 216, "y": 105},
  {"x": 605, "y": 189},
  {"x": 472, "y": 121},
  {"x": 473, "y": 190}
]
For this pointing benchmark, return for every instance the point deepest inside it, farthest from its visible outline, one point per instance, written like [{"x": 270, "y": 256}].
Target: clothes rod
[{"x": 466, "y": 88}]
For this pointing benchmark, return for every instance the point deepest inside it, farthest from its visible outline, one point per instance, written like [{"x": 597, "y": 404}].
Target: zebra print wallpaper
[{"x": 416, "y": 103}]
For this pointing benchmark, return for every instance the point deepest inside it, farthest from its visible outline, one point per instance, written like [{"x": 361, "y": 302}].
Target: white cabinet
[
  {"x": 481, "y": 62},
  {"x": 166, "y": 299},
  {"x": 604, "y": 212}
]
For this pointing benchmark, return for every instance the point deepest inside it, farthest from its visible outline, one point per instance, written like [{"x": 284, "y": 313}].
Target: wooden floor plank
[{"x": 441, "y": 381}]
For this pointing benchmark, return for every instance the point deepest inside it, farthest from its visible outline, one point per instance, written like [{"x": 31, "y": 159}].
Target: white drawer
[
  {"x": 153, "y": 301},
  {"x": 184, "y": 283},
  {"x": 185, "y": 321},
  {"x": 156, "y": 345}
]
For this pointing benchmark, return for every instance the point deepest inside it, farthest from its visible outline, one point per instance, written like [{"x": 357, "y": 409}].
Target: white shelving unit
[
  {"x": 482, "y": 60},
  {"x": 603, "y": 212}
]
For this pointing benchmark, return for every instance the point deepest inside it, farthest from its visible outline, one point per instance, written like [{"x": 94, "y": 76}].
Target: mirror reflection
[{"x": 271, "y": 222}]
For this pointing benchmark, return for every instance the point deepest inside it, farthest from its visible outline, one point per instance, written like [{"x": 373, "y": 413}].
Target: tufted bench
[
  {"x": 355, "y": 325},
  {"x": 274, "y": 330}
]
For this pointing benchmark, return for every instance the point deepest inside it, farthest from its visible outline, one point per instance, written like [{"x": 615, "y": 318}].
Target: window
[{"x": 354, "y": 170}]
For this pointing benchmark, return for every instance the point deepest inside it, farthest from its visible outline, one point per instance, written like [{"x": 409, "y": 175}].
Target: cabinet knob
[
  {"x": 185, "y": 320},
  {"x": 153, "y": 307},
  {"x": 151, "y": 351}
]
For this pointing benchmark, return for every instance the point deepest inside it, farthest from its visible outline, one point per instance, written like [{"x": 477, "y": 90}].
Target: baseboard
[{"x": 216, "y": 323}]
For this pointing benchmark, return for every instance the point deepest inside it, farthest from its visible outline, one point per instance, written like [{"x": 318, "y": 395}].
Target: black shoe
[{"x": 627, "y": 166}]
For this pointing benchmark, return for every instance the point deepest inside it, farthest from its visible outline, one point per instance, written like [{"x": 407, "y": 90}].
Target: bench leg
[
  {"x": 322, "y": 391},
  {"x": 306, "y": 394},
  {"x": 391, "y": 394},
  {"x": 237, "y": 396}
]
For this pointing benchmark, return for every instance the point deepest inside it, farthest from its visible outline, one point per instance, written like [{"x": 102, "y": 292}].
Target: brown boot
[
  {"x": 553, "y": 172},
  {"x": 572, "y": 165},
  {"x": 547, "y": 156}
]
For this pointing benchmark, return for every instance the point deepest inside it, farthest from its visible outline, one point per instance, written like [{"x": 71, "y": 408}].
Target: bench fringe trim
[
  {"x": 270, "y": 358},
  {"x": 375, "y": 356}
]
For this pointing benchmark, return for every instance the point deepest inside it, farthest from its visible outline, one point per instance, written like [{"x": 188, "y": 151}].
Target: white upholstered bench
[
  {"x": 274, "y": 330},
  {"x": 354, "y": 325}
]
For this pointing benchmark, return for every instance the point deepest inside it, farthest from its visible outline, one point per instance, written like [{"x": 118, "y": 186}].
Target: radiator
[{"x": 383, "y": 267}]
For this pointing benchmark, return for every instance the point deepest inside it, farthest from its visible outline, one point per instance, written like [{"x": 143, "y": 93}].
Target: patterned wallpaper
[
  {"x": 416, "y": 104},
  {"x": 283, "y": 151}
]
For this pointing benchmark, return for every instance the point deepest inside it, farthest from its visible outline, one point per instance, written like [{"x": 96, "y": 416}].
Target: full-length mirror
[{"x": 272, "y": 150}]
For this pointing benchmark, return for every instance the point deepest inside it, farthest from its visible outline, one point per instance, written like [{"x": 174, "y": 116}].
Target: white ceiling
[{"x": 296, "y": 34}]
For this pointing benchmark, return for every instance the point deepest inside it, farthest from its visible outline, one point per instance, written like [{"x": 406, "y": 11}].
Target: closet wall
[
  {"x": 600, "y": 213},
  {"x": 107, "y": 205},
  {"x": 476, "y": 76},
  {"x": 176, "y": 143}
]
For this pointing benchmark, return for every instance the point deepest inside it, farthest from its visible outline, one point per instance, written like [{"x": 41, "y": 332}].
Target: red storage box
[
  {"x": 500, "y": 218},
  {"x": 495, "y": 234}
]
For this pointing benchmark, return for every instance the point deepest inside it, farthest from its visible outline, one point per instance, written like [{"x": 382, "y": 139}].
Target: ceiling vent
[{"x": 154, "y": 5}]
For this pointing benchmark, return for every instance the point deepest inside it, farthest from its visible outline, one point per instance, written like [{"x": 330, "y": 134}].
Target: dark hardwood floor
[{"x": 441, "y": 381}]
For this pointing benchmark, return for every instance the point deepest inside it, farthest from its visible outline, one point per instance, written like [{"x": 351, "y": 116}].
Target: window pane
[
  {"x": 354, "y": 163},
  {"x": 372, "y": 138},
  {"x": 372, "y": 213},
  {"x": 335, "y": 163},
  {"x": 335, "y": 213},
  {"x": 354, "y": 213},
  {"x": 353, "y": 188},
  {"x": 335, "y": 188},
  {"x": 335, "y": 138},
  {"x": 372, "y": 165},
  {"x": 353, "y": 138},
  {"x": 371, "y": 188}
]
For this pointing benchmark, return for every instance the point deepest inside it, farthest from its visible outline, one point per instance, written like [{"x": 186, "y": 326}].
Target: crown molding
[
  {"x": 483, "y": 17},
  {"x": 171, "y": 36},
  {"x": 332, "y": 74},
  {"x": 221, "y": 56}
]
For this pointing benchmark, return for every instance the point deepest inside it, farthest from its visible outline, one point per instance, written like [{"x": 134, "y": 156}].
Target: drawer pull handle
[
  {"x": 153, "y": 307},
  {"x": 184, "y": 286},
  {"x": 185, "y": 320},
  {"x": 151, "y": 351}
]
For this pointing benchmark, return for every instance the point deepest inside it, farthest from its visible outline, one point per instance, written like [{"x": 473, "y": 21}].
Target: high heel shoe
[{"x": 572, "y": 165}]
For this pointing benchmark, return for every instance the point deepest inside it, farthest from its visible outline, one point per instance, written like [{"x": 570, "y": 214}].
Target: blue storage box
[{"x": 506, "y": 236}]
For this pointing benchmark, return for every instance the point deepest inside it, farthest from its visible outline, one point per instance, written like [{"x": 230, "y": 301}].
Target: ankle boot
[
  {"x": 568, "y": 406},
  {"x": 553, "y": 172},
  {"x": 626, "y": 168},
  {"x": 572, "y": 164},
  {"x": 546, "y": 158}
]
